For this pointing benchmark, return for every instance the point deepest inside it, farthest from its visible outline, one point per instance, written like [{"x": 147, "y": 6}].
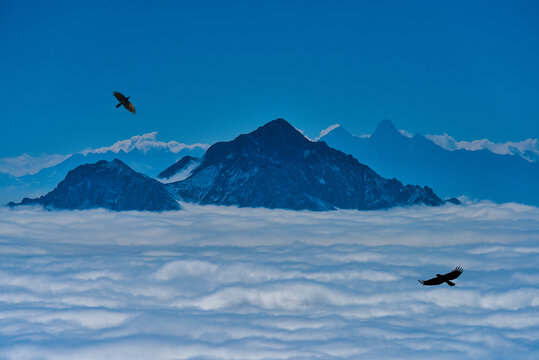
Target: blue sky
[{"x": 204, "y": 71}]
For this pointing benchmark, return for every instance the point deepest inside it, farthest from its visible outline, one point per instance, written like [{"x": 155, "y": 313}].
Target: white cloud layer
[
  {"x": 227, "y": 283},
  {"x": 28, "y": 165},
  {"x": 144, "y": 143},
  {"x": 528, "y": 149}
]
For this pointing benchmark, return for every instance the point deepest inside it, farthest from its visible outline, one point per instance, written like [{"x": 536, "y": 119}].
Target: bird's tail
[
  {"x": 450, "y": 283},
  {"x": 422, "y": 282},
  {"x": 120, "y": 104}
]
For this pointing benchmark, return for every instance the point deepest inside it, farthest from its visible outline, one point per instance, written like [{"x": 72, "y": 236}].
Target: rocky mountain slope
[
  {"x": 111, "y": 185},
  {"x": 277, "y": 167}
]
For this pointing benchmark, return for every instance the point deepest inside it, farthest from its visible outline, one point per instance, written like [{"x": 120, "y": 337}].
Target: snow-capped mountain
[
  {"x": 274, "y": 167},
  {"x": 527, "y": 149},
  {"x": 143, "y": 153},
  {"x": 107, "y": 184},
  {"x": 277, "y": 167},
  {"x": 478, "y": 174}
]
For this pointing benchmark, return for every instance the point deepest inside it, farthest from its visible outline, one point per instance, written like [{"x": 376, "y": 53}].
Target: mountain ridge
[
  {"x": 286, "y": 173},
  {"x": 479, "y": 174},
  {"x": 141, "y": 157},
  {"x": 274, "y": 166}
]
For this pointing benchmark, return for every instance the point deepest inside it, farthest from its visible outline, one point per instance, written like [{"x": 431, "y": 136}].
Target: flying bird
[
  {"x": 124, "y": 101},
  {"x": 440, "y": 279}
]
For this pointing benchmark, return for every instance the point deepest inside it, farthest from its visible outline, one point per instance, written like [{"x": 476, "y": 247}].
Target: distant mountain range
[
  {"x": 479, "y": 174},
  {"x": 527, "y": 149},
  {"x": 143, "y": 153},
  {"x": 277, "y": 167},
  {"x": 274, "y": 167}
]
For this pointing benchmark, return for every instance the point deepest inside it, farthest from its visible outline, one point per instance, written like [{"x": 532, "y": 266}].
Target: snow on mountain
[
  {"x": 144, "y": 143},
  {"x": 527, "y": 149},
  {"x": 406, "y": 133},
  {"x": 326, "y": 131}
]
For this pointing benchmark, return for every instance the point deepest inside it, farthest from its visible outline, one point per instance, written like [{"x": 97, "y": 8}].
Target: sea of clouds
[{"x": 211, "y": 282}]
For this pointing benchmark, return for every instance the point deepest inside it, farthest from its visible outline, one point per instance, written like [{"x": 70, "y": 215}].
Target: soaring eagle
[
  {"x": 440, "y": 279},
  {"x": 124, "y": 101}
]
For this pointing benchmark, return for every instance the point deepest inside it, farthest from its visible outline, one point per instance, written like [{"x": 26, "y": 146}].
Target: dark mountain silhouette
[
  {"x": 440, "y": 279},
  {"x": 177, "y": 167},
  {"x": 112, "y": 185},
  {"x": 277, "y": 167},
  {"x": 478, "y": 174}
]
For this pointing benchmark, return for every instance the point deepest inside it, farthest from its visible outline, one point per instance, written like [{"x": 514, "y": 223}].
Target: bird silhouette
[
  {"x": 440, "y": 279},
  {"x": 124, "y": 101}
]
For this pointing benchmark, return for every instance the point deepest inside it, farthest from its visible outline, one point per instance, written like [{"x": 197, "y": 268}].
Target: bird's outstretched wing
[
  {"x": 433, "y": 281},
  {"x": 118, "y": 96},
  {"x": 130, "y": 107},
  {"x": 454, "y": 274}
]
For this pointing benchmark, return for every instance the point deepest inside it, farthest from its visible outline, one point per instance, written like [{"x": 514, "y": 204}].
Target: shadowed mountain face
[
  {"x": 111, "y": 185},
  {"x": 277, "y": 167},
  {"x": 477, "y": 174}
]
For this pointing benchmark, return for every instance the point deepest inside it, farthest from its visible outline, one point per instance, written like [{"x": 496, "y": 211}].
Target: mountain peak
[
  {"x": 277, "y": 125},
  {"x": 277, "y": 133},
  {"x": 113, "y": 163},
  {"x": 107, "y": 184},
  {"x": 276, "y": 167},
  {"x": 386, "y": 127}
]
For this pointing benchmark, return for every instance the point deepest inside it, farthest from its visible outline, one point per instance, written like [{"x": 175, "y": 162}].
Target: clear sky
[{"x": 204, "y": 71}]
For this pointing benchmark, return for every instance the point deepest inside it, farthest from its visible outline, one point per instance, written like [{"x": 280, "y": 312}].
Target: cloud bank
[{"x": 227, "y": 283}]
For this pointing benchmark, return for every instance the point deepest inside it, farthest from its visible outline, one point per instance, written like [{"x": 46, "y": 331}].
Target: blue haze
[{"x": 208, "y": 70}]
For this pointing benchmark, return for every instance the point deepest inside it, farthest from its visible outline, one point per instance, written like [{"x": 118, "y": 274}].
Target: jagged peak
[
  {"x": 278, "y": 124},
  {"x": 277, "y": 129},
  {"x": 114, "y": 165}
]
